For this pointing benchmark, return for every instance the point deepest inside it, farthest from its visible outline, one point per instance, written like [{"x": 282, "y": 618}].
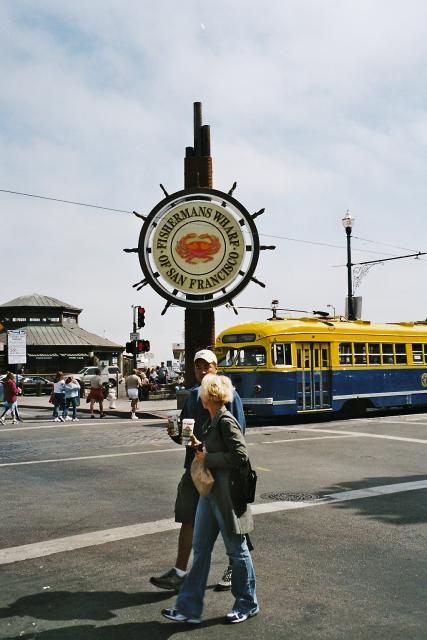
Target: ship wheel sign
[{"x": 198, "y": 248}]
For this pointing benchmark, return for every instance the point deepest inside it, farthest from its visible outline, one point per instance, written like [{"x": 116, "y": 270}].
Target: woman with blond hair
[{"x": 225, "y": 449}]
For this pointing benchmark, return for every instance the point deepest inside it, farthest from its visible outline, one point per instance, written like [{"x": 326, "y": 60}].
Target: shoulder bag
[{"x": 202, "y": 477}]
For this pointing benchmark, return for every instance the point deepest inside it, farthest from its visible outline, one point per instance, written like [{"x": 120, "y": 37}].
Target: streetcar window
[
  {"x": 374, "y": 354},
  {"x": 243, "y": 357},
  {"x": 325, "y": 358},
  {"x": 345, "y": 353},
  {"x": 387, "y": 351},
  {"x": 360, "y": 353},
  {"x": 418, "y": 353},
  {"x": 401, "y": 353},
  {"x": 316, "y": 358},
  {"x": 239, "y": 337},
  {"x": 282, "y": 354}
]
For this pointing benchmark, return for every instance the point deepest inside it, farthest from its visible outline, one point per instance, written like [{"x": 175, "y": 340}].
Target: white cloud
[{"x": 315, "y": 107}]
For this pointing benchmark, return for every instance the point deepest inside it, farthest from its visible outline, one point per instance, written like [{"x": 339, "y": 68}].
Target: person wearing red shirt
[{"x": 10, "y": 393}]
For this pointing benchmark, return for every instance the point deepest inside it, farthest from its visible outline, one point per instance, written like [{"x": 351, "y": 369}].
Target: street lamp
[{"x": 348, "y": 222}]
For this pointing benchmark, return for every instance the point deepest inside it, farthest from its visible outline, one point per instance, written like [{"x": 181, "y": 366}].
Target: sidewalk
[{"x": 156, "y": 408}]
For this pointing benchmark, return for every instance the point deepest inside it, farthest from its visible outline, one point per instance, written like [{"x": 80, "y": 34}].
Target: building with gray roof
[{"x": 55, "y": 341}]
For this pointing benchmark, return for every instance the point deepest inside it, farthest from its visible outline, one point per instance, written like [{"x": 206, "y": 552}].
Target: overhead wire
[
  {"x": 80, "y": 204},
  {"x": 265, "y": 235}
]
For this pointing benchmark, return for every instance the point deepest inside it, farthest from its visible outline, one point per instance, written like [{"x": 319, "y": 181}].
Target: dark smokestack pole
[{"x": 199, "y": 324}]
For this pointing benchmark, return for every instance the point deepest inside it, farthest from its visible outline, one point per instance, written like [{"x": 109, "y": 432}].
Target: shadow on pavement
[
  {"x": 401, "y": 508},
  {"x": 153, "y": 630},
  {"x": 80, "y": 605}
]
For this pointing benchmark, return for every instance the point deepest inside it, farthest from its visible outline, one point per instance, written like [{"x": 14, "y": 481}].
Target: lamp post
[{"x": 348, "y": 222}]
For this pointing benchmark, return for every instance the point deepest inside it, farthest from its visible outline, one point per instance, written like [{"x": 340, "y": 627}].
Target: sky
[{"x": 315, "y": 107}]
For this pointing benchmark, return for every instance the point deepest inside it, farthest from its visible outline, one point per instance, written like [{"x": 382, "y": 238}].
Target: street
[{"x": 340, "y": 536}]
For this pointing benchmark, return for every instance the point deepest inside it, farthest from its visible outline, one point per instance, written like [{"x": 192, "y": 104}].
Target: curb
[{"x": 119, "y": 413}]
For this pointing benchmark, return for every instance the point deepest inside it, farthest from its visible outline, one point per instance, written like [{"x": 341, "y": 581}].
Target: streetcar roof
[{"x": 308, "y": 324}]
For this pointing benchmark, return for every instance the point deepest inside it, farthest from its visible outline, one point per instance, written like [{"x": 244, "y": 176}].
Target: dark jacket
[
  {"x": 193, "y": 408},
  {"x": 226, "y": 450}
]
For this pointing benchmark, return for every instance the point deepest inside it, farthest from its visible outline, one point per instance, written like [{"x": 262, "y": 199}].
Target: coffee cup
[
  {"x": 173, "y": 425},
  {"x": 187, "y": 431}
]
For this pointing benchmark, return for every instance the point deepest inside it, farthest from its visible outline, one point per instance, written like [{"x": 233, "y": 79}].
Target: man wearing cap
[{"x": 187, "y": 495}]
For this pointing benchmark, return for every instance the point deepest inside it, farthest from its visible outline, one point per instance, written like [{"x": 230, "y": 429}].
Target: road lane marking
[
  {"x": 107, "y": 455},
  {"x": 67, "y": 425},
  {"x": 416, "y": 423},
  {"x": 290, "y": 440},
  {"x": 363, "y": 434},
  {"x": 338, "y": 435},
  {"x": 10, "y": 555}
]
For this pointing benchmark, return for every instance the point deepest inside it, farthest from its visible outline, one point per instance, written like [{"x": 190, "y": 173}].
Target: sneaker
[
  {"x": 235, "y": 617},
  {"x": 2, "y": 420},
  {"x": 173, "y": 614},
  {"x": 170, "y": 581},
  {"x": 75, "y": 419},
  {"x": 67, "y": 418},
  {"x": 225, "y": 583},
  {"x": 134, "y": 417},
  {"x": 56, "y": 420},
  {"x": 13, "y": 421},
  {"x": 61, "y": 419}
]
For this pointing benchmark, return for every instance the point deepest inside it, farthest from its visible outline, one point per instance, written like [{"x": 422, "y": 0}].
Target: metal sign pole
[{"x": 199, "y": 324}]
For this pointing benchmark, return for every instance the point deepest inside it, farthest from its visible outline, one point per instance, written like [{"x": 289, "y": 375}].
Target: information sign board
[{"x": 17, "y": 346}]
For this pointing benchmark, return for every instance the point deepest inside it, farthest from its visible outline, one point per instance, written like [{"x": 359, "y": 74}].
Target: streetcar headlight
[{"x": 257, "y": 388}]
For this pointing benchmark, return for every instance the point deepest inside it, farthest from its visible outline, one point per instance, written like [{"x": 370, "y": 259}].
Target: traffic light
[
  {"x": 141, "y": 317},
  {"x": 143, "y": 346},
  {"x": 130, "y": 347}
]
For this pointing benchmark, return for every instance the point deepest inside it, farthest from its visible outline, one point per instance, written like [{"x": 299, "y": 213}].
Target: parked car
[
  {"x": 31, "y": 385},
  {"x": 36, "y": 384},
  {"x": 108, "y": 374}
]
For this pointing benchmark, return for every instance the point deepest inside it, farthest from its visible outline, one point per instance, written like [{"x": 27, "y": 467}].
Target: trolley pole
[{"x": 199, "y": 324}]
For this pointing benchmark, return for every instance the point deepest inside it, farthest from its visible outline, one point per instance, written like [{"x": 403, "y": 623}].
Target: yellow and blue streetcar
[{"x": 321, "y": 364}]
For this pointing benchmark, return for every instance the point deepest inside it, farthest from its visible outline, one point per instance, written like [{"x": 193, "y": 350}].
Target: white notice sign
[{"x": 17, "y": 346}]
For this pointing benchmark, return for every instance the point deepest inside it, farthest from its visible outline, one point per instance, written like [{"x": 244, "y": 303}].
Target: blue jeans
[
  {"x": 73, "y": 402},
  {"x": 59, "y": 403},
  {"x": 209, "y": 522}
]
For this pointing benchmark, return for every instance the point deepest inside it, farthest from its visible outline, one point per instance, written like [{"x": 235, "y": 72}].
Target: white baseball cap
[{"x": 206, "y": 355}]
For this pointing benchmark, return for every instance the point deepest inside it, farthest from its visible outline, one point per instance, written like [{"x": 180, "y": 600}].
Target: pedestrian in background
[
  {"x": 96, "y": 394},
  {"x": 133, "y": 384},
  {"x": 225, "y": 449},
  {"x": 205, "y": 362},
  {"x": 162, "y": 374},
  {"x": 72, "y": 397},
  {"x": 179, "y": 382},
  {"x": 154, "y": 377},
  {"x": 144, "y": 388},
  {"x": 10, "y": 395},
  {"x": 59, "y": 397}
]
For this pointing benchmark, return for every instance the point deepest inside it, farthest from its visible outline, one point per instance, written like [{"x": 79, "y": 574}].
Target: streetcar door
[{"x": 313, "y": 376}]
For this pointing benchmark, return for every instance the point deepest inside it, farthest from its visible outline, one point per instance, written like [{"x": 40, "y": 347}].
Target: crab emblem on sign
[{"x": 195, "y": 248}]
